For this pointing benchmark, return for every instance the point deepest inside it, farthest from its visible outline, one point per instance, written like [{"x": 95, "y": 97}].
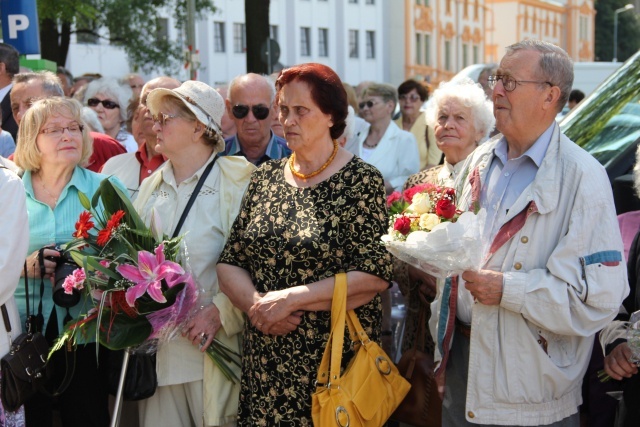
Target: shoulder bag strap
[
  {"x": 192, "y": 199},
  {"x": 332, "y": 357}
]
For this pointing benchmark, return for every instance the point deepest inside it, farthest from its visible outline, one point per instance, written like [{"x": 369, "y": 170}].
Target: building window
[
  {"x": 427, "y": 49},
  {"x": 465, "y": 55},
  {"x": 476, "y": 13},
  {"x": 85, "y": 24},
  {"x": 370, "y": 2},
  {"x": 583, "y": 28},
  {"x": 447, "y": 55},
  {"x": 218, "y": 37},
  {"x": 273, "y": 32},
  {"x": 353, "y": 1},
  {"x": 418, "y": 49},
  {"x": 162, "y": 29},
  {"x": 465, "y": 9},
  {"x": 353, "y": 44},
  {"x": 371, "y": 44},
  {"x": 476, "y": 54},
  {"x": 305, "y": 41},
  {"x": 323, "y": 42},
  {"x": 448, "y": 7},
  {"x": 239, "y": 38}
]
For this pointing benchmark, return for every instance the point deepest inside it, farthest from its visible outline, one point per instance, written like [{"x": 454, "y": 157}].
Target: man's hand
[
  {"x": 617, "y": 364},
  {"x": 426, "y": 284},
  {"x": 485, "y": 286}
]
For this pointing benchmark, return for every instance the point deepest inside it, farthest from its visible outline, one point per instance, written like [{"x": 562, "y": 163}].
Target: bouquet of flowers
[
  {"x": 136, "y": 292},
  {"x": 428, "y": 231},
  {"x": 622, "y": 330}
]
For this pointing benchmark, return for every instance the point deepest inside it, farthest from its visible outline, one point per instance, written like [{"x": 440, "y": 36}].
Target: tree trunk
[
  {"x": 65, "y": 40},
  {"x": 257, "y": 32},
  {"x": 49, "y": 47}
]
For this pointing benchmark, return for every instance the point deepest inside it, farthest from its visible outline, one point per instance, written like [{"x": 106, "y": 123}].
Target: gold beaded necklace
[{"x": 314, "y": 173}]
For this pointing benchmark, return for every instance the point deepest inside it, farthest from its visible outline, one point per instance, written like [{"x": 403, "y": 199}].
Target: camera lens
[{"x": 65, "y": 267}]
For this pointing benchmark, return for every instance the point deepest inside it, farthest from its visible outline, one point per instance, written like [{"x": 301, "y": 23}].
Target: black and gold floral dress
[{"x": 286, "y": 236}]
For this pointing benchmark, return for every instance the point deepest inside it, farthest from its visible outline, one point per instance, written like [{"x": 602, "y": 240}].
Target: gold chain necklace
[
  {"x": 54, "y": 198},
  {"x": 314, "y": 173}
]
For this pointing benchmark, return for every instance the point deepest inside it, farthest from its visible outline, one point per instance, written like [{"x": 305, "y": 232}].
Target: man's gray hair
[
  {"x": 267, "y": 81},
  {"x": 555, "y": 65},
  {"x": 113, "y": 89},
  {"x": 469, "y": 94},
  {"x": 49, "y": 81}
]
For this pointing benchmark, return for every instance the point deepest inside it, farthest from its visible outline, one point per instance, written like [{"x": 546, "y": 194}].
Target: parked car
[{"x": 607, "y": 125}]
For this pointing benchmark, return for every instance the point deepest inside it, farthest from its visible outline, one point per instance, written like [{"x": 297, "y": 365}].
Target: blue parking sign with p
[{"x": 20, "y": 25}]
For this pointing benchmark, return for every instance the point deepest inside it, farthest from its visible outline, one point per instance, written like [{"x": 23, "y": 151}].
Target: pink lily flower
[{"x": 148, "y": 275}]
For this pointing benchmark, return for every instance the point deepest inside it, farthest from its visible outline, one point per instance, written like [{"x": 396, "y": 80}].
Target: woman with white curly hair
[
  {"x": 461, "y": 117},
  {"x": 109, "y": 99}
]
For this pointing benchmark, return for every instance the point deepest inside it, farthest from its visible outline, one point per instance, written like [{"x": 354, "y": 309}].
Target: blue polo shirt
[{"x": 276, "y": 149}]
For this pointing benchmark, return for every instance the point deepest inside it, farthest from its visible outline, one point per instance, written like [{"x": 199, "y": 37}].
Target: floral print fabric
[{"x": 286, "y": 236}]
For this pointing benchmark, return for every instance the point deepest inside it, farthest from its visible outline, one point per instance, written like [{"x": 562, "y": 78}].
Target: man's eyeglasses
[
  {"x": 368, "y": 104},
  {"x": 161, "y": 118},
  {"x": 409, "y": 97},
  {"x": 56, "y": 132},
  {"x": 509, "y": 83},
  {"x": 260, "y": 112},
  {"x": 109, "y": 105}
]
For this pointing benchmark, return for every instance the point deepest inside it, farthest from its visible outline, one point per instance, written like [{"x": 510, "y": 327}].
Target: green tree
[
  {"x": 136, "y": 25},
  {"x": 628, "y": 31},
  {"x": 257, "y": 24}
]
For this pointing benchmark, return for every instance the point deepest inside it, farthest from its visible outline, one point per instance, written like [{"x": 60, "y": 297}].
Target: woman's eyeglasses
[
  {"x": 260, "y": 112},
  {"x": 368, "y": 104},
  {"x": 109, "y": 105},
  {"x": 161, "y": 118},
  {"x": 409, "y": 97},
  {"x": 57, "y": 131}
]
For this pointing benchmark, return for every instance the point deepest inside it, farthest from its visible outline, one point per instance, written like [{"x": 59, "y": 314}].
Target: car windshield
[{"x": 608, "y": 122}]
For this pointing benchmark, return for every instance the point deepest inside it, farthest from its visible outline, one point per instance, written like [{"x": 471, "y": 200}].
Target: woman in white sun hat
[{"x": 192, "y": 391}]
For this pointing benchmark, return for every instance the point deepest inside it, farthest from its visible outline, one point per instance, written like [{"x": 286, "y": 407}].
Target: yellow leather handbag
[{"x": 369, "y": 389}]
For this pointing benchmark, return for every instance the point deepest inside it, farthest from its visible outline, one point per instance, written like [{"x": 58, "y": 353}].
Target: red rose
[
  {"x": 402, "y": 225},
  {"x": 450, "y": 192},
  {"x": 445, "y": 208}
]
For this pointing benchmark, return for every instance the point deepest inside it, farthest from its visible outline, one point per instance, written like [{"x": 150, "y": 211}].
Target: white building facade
[{"x": 350, "y": 36}]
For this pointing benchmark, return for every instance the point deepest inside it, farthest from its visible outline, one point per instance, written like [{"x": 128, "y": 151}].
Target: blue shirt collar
[{"x": 536, "y": 152}]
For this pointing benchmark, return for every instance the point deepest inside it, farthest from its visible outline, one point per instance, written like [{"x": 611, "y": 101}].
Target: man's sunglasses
[
  {"x": 260, "y": 112},
  {"x": 109, "y": 105}
]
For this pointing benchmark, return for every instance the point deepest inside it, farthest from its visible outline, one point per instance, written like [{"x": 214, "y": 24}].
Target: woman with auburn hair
[{"x": 321, "y": 212}]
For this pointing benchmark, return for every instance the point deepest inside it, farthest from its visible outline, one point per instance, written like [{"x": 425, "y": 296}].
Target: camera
[{"x": 64, "y": 267}]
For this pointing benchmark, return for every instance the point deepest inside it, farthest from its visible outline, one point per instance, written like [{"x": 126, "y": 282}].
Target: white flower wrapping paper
[{"x": 450, "y": 248}]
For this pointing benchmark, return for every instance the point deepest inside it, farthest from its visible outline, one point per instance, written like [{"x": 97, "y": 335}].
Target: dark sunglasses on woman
[
  {"x": 260, "y": 112},
  {"x": 109, "y": 105}
]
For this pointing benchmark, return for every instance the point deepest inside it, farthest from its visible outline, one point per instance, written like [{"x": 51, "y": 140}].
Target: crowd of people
[{"x": 292, "y": 174}]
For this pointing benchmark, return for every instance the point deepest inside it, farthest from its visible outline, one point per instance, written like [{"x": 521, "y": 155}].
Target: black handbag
[
  {"x": 141, "y": 378},
  {"x": 24, "y": 368}
]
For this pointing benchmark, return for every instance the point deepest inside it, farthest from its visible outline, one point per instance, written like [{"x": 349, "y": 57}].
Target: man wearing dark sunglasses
[{"x": 250, "y": 105}]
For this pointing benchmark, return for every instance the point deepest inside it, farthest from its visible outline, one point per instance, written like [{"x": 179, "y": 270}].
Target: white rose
[
  {"x": 428, "y": 221},
  {"x": 421, "y": 204}
]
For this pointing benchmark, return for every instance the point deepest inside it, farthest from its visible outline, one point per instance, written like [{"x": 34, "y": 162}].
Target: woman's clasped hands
[{"x": 272, "y": 314}]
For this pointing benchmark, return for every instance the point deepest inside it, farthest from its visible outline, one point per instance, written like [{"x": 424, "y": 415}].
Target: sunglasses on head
[
  {"x": 260, "y": 112},
  {"x": 368, "y": 104},
  {"x": 109, "y": 105}
]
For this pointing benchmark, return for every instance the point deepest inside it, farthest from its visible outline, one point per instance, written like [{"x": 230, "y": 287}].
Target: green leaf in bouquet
[
  {"x": 114, "y": 199},
  {"x": 119, "y": 331},
  {"x": 95, "y": 264}
]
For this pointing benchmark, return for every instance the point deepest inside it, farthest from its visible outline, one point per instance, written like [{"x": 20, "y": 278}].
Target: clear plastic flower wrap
[
  {"x": 448, "y": 249},
  {"x": 622, "y": 330}
]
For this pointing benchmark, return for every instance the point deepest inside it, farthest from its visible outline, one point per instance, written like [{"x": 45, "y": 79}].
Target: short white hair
[
  {"x": 468, "y": 93},
  {"x": 113, "y": 89},
  {"x": 90, "y": 117}
]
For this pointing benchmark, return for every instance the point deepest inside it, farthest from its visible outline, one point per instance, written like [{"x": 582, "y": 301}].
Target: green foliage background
[
  {"x": 628, "y": 30},
  {"x": 132, "y": 24}
]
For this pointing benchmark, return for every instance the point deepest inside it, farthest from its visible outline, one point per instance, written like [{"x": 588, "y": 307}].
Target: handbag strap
[
  {"x": 192, "y": 199},
  {"x": 332, "y": 357}
]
